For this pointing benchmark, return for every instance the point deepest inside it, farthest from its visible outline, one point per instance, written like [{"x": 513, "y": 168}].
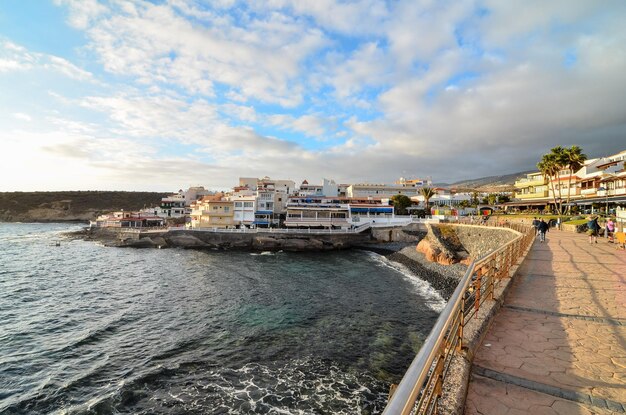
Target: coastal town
[{"x": 597, "y": 186}]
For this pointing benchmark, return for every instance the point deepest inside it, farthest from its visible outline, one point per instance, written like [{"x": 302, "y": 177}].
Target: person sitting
[{"x": 610, "y": 229}]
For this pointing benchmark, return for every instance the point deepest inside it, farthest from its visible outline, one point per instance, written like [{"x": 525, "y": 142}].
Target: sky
[{"x": 162, "y": 95}]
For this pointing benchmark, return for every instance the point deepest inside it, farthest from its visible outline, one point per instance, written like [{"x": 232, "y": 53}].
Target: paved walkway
[{"x": 558, "y": 346}]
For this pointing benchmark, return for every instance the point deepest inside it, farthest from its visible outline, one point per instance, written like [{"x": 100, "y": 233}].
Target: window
[
  {"x": 248, "y": 204},
  {"x": 214, "y": 207},
  {"x": 238, "y": 204},
  {"x": 226, "y": 208}
]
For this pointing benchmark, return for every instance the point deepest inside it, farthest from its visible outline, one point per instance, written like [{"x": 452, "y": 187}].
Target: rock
[
  {"x": 433, "y": 252},
  {"x": 159, "y": 241},
  {"x": 264, "y": 242},
  {"x": 187, "y": 241}
]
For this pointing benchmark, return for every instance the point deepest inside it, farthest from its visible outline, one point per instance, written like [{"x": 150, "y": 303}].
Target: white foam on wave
[
  {"x": 434, "y": 300},
  {"x": 302, "y": 386},
  {"x": 263, "y": 253}
]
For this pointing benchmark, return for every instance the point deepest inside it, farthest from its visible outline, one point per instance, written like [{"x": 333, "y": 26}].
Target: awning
[
  {"x": 514, "y": 204},
  {"x": 610, "y": 199},
  {"x": 372, "y": 210}
]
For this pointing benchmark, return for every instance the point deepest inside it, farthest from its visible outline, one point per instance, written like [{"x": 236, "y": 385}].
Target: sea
[{"x": 89, "y": 329}]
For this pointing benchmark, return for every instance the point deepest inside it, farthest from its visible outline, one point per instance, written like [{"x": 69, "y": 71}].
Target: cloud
[
  {"x": 21, "y": 116},
  {"x": 82, "y": 12},
  {"x": 254, "y": 58},
  {"x": 360, "y": 90},
  {"x": 14, "y": 57}
]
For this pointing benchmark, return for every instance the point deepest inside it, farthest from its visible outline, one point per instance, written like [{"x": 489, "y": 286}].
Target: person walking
[
  {"x": 542, "y": 228},
  {"x": 592, "y": 229},
  {"x": 536, "y": 223}
]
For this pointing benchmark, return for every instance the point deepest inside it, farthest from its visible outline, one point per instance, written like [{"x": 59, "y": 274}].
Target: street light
[{"x": 606, "y": 196}]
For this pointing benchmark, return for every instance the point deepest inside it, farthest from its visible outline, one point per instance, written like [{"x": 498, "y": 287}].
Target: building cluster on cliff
[
  {"x": 597, "y": 185},
  {"x": 267, "y": 202}
]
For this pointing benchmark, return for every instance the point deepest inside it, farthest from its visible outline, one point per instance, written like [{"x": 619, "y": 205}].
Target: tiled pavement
[{"x": 559, "y": 344}]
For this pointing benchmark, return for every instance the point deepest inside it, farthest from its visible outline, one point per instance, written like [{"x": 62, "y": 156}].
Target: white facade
[
  {"x": 380, "y": 190},
  {"x": 330, "y": 188},
  {"x": 244, "y": 209}
]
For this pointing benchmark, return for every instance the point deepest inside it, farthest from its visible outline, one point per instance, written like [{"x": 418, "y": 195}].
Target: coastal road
[{"x": 558, "y": 346}]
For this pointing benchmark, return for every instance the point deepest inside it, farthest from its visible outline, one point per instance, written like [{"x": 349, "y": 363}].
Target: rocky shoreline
[
  {"x": 443, "y": 278},
  {"x": 401, "y": 248}
]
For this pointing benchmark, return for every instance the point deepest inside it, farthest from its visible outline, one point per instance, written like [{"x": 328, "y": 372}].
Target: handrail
[{"x": 421, "y": 387}]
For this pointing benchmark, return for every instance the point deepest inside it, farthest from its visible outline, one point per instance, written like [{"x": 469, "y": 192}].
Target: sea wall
[{"x": 226, "y": 240}]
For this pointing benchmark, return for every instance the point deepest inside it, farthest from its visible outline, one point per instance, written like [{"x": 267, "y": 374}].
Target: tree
[
  {"x": 492, "y": 199},
  {"x": 550, "y": 166},
  {"x": 474, "y": 200},
  {"x": 428, "y": 194},
  {"x": 502, "y": 198},
  {"x": 400, "y": 203},
  {"x": 574, "y": 159}
]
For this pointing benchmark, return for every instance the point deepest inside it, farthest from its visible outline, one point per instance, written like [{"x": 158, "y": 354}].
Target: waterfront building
[
  {"x": 414, "y": 182},
  {"x": 336, "y": 212},
  {"x": 213, "y": 212},
  {"x": 380, "y": 190},
  {"x": 599, "y": 181},
  {"x": 244, "y": 208},
  {"x": 123, "y": 219},
  {"x": 443, "y": 197},
  {"x": 328, "y": 188},
  {"x": 307, "y": 189},
  {"x": 178, "y": 205}
]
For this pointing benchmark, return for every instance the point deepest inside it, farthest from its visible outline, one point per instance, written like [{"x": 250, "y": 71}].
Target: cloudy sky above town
[{"x": 138, "y": 95}]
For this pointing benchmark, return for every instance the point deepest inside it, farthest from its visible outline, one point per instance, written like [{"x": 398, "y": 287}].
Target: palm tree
[
  {"x": 428, "y": 193},
  {"x": 549, "y": 167},
  {"x": 575, "y": 160}
]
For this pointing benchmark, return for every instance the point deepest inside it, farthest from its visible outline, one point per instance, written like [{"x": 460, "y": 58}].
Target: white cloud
[
  {"x": 14, "y": 57},
  {"x": 257, "y": 60},
  {"x": 433, "y": 88},
  {"x": 22, "y": 117},
  {"x": 82, "y": 12}
]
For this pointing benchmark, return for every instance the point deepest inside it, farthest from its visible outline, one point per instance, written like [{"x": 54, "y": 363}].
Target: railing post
[
  {"x": 477, "y": 289},
  {"x": 459, "y": 344}
]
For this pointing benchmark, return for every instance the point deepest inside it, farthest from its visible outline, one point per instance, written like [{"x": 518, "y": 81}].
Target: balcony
[
  {"x": 217, "y": 213},
  {"x": 536, "y": 195},
  {"x": 326, "y": 222},
  {"x": 535, "y": 181},
  {"x": 589, "y": 192}
]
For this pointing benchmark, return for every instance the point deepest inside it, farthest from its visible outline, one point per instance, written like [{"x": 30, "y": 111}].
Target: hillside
[
  {"x": 502, "y": 183},
  {"x": 70, "y": 206}
]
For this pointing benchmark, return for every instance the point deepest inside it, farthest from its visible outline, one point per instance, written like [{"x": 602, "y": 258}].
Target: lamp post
[{"x": 606, "y": 198}]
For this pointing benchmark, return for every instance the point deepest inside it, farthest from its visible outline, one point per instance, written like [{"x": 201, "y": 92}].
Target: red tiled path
[{"x": 558, "y": 346}]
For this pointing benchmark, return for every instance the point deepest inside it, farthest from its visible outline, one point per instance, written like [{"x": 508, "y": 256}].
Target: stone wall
[{"x": 224, "y": 240}]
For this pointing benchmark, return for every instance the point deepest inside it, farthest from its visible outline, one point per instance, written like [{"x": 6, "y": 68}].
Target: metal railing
[{"x": 420, "y": 390}]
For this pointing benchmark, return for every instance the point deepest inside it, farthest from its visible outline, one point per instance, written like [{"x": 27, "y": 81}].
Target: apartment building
[{"x": 213, "y": 212}]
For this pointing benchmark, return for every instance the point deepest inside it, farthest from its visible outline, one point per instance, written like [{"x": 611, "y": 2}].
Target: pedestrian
[
  {"x": 536, "y": 225},
  {"x": 542, "y": 228},
  {"x": 610, "y": 228},
  {"x": 592, "y": 229}
]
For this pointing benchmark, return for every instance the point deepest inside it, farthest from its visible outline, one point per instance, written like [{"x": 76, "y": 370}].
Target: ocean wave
[
  {"x": 435, "y": 301},
  {"x": 302, "y": 386}
]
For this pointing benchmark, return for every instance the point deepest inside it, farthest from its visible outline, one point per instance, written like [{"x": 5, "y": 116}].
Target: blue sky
[{"x": 137, "y": 95}]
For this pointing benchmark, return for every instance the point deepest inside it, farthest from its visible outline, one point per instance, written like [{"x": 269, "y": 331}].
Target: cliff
[{"x": 78, "y": 206}]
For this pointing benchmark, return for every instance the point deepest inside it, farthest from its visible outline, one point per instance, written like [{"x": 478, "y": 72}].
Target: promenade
[{"x": 558, "y": 345}]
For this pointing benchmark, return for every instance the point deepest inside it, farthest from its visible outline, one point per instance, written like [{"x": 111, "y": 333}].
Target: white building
[
  {"x": 244, "y": 209},
  {"x": 307, "y": 189},
  {"x": 177, "y": 205}
]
